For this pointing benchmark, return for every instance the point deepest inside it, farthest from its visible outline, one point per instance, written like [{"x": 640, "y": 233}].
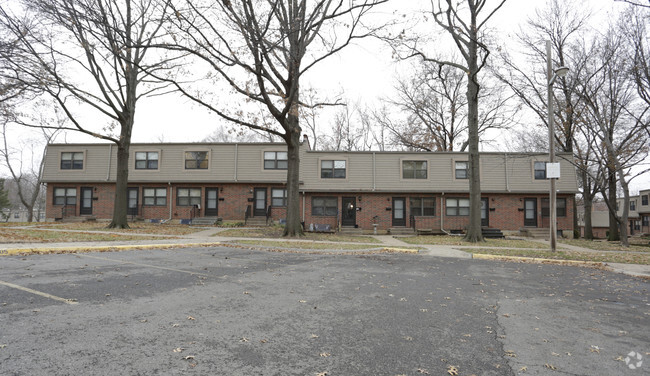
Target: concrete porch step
[
  {"x": 351, "y": 230},
  {"x": 206, "y": 221},
  {"x": 256, "y": 222},
  {"x": 536, "y": 232},
  {"x": 401, "y": 231}
]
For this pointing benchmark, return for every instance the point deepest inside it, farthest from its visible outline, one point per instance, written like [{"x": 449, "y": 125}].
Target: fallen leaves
[
  {"x": 190, "y": 318},
  {"x": 423, "y": 371},
  {"x": 523, "y": 369},
  {"x": 452, "y": 370},
  {"x": 325, "y": 355},
  {"x": 550, "y": 366},
  {"x": 189, "y": 357},
  {"x": 178, "y": 349},
  {"x": 321, "y": 374},
  {"x": 510, "y": 353}
]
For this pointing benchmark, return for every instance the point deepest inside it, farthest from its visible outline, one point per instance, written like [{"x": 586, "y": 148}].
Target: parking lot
[{"x": 231, "y": 311}]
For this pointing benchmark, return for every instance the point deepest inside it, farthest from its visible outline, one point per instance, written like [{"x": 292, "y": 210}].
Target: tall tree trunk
[
  {"x": 293, "y": 226},
  {"x": 588, "y": 206},
  {"x": 613, "y": 221},
  {"x": 120, "y": 203}
]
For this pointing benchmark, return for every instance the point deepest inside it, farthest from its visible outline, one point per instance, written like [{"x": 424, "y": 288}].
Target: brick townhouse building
[
  {"x": 173, "y": 181},
  {"x": 639, "y": 213}
]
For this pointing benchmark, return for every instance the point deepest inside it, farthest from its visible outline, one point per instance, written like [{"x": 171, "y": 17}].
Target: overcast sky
[{"x": 365, "y": 72}]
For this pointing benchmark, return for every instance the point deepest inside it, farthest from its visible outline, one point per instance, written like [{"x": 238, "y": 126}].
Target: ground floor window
[
  {"x": 188, "y": 196},
  {"x": 324, "y": 206},
  {"x": 154, "y": 196},
  {"x": 637, "y": 225},
  {"x": 457, "y": 207},
  {"x": 65, "y": 196},
  {"x": 278, "y": 197},
  {"x": 423, "y": 206},
  {"x": 646, "y": 220},
  {"x": 560, "y": 209}
]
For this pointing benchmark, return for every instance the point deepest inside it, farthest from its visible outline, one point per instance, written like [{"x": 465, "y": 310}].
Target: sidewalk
[{"x": 210, "y": 237}]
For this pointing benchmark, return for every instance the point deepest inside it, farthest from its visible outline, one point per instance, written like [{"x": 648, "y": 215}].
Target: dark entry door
[
  {"x": 530, "y": 212},
  {"x": 260, "y": 202},
  {"x": 485, "y": 212},
  {"x": 132, "y": 209},
  {"x": 211, "y": 201},
  {"x": 349, "y": 217},
  {"x": 86, "y": 207},
  {"x": 399, "y": 211}
]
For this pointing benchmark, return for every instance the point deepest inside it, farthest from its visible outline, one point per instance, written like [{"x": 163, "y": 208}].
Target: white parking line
[
  {"x": 44, "y": 294},
  {"x": 139, "y": 264}
]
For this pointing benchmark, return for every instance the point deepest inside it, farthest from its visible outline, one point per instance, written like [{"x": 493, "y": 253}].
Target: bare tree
[
  {"x": 91, "y": 57},
  {"x": 262, "y": 50},
  {"x": 460, "y": 19}
]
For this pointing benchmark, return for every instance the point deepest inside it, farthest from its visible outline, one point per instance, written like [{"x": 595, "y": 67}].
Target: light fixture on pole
[{"x": 552, "y": 75}]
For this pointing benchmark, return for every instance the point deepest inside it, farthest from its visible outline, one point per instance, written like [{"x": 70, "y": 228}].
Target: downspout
[
  {"x": 171, "y": 191},
  {"x": 505, "y": 159},
  {"x": 303, "y": 206},
  {"x": 442, "y": 215},
  {"x": 236, "y": 159},
  {"x": 374, "y": 172},
  {"x": 110, "y": 159}
]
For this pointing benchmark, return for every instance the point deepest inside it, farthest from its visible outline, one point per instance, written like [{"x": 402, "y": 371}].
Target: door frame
[
  {"x": 209, "y": 212},
  {"x": 530, "y": 222},
  {"x": 397, "y": 222},
  {"x": 259, "y": 212},
  {"x": 352, "y": 221},
  {"x": 85, "y": 210},
  {"x": 129, "y": 210},
  {"x": 485, "y": 222}
]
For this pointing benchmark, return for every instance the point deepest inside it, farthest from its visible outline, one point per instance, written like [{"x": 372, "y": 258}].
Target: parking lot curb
[
  {"x": 538, "y": 260},
  {"x": 105, "y": 248},
  {"x": 400, "y": 250}
]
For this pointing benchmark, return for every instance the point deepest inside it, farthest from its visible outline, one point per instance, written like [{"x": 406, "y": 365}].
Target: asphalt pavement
[{"x": 231, "y": 311}]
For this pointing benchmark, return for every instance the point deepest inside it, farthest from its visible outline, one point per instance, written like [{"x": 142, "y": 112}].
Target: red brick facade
[{"x": 505, "y": 210}]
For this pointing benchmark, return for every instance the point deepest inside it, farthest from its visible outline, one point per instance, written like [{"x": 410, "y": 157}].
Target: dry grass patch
[
  {"x": 40, "y": 236},
  {"x": 624, "y": 258},
  {"x": 135, "y": 228},
  {"x": 604, "y": 245},
  {"x": 275, "y": 232},
  {"x": 458, "y": 240},
  {"x": 304, "y": 245}
]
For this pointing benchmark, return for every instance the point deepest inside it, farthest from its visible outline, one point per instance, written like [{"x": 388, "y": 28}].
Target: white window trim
[
  {"x": 401, "y": 169},
  {"x": 148, "y": 170},
  {"x": 85, "y": 160}
]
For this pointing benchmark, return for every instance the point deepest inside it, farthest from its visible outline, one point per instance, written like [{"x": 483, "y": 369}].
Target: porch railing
[
  {"x": 268, "y": 214},
  {"x": 68, "y": 211},
  {"x": 248, "y": 214}
]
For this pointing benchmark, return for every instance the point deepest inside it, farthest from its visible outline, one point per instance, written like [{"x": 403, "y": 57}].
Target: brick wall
[{"x": 506, "y": 210}]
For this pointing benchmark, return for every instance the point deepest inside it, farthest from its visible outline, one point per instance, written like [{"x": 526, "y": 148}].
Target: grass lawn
[
  {"x": 458, "y": 240},
  {"x": 625, "y": 258},
  {"x": 276, "y": 232},
  {"x": 39, "y": 236},
  {"x": 136, "y": 227},
  {"x": 305, "y": 245},
  {"x": 603, "y": 245}
]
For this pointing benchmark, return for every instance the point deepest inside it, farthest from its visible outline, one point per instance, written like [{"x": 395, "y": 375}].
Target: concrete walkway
[{"x": 210, "y": 236}]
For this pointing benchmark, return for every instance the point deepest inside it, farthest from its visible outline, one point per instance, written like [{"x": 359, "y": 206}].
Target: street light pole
[
  {"x": 551, "y": 145},
  {"x": 551, "y": 76}
]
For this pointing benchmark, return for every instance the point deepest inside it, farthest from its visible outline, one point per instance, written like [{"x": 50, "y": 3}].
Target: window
[
  {"x": 462, "y": 170},
  {"x": 632, "y": 205},
  {"x": 278, "y": 197},
  {"x": 560, "y": 207},
  {"x": 16, "y": 215},
  {"x": 154, "y": 196},
  {"x": 414, "y": 169},
  {"x": 332, "y": 169},
  {"x": 646, "y": 220},
  {"x": 637, "y": 225},
  {"x": 423, "y": 206},
  {"x": 146, "y": 160},
  {"x": 644, "y": 200},
  {"x": 72, "y": 161},
  {"x": 457, "y": 206},
  {"x": 196, "y": 160},
  {"x": 540, "y": 170},
  {"x": 275, "y": 160},
  {"x": 65, "y": 196},
  {"x": 324, "y": 206},
  {"x": 188, "y": 196}
]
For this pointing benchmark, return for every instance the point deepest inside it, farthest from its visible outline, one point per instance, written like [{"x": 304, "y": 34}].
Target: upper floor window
[
  {"x": 146, "y": 160},
  {"x": 457, "y": 206},
  {"x": 461, "y": 170},
  {"x": 644, "y": 200},
  {"x": 560, "y": 207},
  {"x": 278, "y": 197},
  {"x": 275, "y": 160},
  {"x": 540, "y": 170},
  {"x": 188, "y": 196},
  {"x": 155, "y": 196},
  {"x": 332, "y": 169},
  {"x": 646, "y": 220},
  {"x": 196, "y": 160},
  {"x": 633, "y": 205},
  {"x": 414, "y": 169},
  {"x": 65, "y": 196},
  {"x": 423, "y": 206},
  {"x": 72, "y": 161}
]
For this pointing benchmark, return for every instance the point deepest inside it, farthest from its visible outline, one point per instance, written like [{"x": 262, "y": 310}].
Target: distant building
[
  {"x": 599, "y": 220},
  {"x": 639, "y": 214}
]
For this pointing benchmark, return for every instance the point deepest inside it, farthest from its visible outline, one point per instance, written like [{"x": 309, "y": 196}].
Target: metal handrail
[
  {"x": 412, "y": 221},
  {"x": 247, "y": 215},
  {"x": 268, "y": 214}
]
